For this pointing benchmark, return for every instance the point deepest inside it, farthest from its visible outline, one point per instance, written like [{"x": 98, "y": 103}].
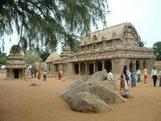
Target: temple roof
[
  {"x": 15, "y": 61},
  {"x": 113, "y": 32},
  {"x": 53, "y": 57}
]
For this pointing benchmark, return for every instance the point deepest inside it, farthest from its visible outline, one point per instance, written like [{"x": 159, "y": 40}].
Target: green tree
[
  {"x": 157, "y": 50},
  {"x": 43, "y": 53},
  {"x": 31, "y": 57},
  {"x": 3, "y": 58},
  {"x": 51, "y": 21}
]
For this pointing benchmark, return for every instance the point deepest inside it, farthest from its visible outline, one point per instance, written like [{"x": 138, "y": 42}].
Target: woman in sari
[{"x": 124, "y": 83}]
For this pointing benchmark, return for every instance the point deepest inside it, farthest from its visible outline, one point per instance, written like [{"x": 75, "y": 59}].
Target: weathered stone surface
[
  {"x": 102, "y": 76},
  {"x": 98, "y": 76},
  {"x": 88, "y": 102},
  {"x": 105, "y": 93},
  {"x": 98, "y": 88},
  {"x": 81, "y": 92}
]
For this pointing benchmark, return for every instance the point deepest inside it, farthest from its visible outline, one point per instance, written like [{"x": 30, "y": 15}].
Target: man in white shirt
[
  {"x": 110, "y": 76},
  {"x": 154, "y": 75}
]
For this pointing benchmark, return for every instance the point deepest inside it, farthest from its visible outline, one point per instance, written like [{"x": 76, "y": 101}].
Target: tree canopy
[
  {"x": 31, "y": 57},
  {"x": 48, "y": 22},
  {"x": 157, "y": 50},
  {"x": 3, "y": 58}
]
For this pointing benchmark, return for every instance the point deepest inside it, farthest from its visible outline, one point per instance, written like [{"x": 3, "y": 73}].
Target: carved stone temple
[
  {"x": 109, "y": 49},
  {"x": 15, "y": 68}
]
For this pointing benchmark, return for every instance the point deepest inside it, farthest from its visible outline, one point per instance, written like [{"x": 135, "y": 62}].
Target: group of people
[
  {"x": 133, "y": 77},
  {"x": 38, "y": 75},
  {"x": 29, "y": 73}
]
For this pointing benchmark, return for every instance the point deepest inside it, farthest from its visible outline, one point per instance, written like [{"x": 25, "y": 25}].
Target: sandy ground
[{"x": 21, "y": 102}]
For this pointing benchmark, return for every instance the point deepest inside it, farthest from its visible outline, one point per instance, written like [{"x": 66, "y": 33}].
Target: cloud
[{"x": 124, "y": 11}]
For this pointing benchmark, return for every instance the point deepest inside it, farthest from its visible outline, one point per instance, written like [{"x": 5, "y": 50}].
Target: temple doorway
[
  {"x": 108, "y": 65},
  {"x": 131, "y": 66},
  {"x": 16, "y": 73},
  {"x": 76, "y": 68},
  {"x": 99, "y": 66},
  {"x": 91, "y": 68},
  {"x": 144, "y": 64},
  {"x": 137, "y": 65},
  {"x": 56, "y": 67}
]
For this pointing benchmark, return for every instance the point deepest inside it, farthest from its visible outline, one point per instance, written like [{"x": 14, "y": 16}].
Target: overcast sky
[{"x": 145, "y": 15}]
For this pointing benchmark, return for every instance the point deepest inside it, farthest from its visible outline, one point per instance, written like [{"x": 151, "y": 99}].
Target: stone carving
[
  {"x": 16, "y": 65},
  {"x": 15, "y": 49},
  {"x": 117, "y": 44}
]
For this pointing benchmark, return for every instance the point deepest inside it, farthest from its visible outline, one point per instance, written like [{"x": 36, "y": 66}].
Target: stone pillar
[
  {"x": 134, "y": 67},
  {"x": 86, "y": 68},
  {"x": 140, "y": 65},
  {"x": 23, "y": 73},
  {"x": 11, "y": 74},
  {"x": 61, "y": 67},
  {"x": 54, "y": 69},
  {"x": 103, "y": 65},
  {"x": 79, "y": 66},
  {"x": 94, "y": 67},
  {"x": 117, "y": 65},
  {"x": 150, "y": 63},
  {"x": 70, "y": 71}
]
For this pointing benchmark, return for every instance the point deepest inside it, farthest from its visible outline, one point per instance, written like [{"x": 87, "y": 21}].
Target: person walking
[
  {"x": 138, "y": 75},
  {"x": 59, "y": 74},
  {"x": 133, "y": 79},
  {"x": 124, "y": 81},
  {"x": 145, "y": 75},
  {"x": 154, "y": 76}
]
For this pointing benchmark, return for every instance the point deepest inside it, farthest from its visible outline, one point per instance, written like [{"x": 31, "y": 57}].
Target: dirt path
[{"x": 21, "y": 102}]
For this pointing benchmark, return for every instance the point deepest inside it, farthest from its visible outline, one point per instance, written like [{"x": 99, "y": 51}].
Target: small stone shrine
[{"x": 15, "y": 68}]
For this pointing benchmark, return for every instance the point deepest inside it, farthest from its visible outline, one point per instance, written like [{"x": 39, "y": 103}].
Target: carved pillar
[
  {"x": 79, "y": 68},
  {"x": 94, "y": 67},
  {"x": 23, "y": 73},
  {"x": 134, "y": 67},
  {"x": 117, "y": 65},
  {"x": 86, "y": 68},
  {"x": 103, "y": 64},
  {"x": 141, "y": 64}
]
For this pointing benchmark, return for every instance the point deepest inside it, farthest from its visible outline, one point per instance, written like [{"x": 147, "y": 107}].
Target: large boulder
[
  {"x": 93, "y": 94},
  {"x": 98, "y": 88},
  {"x": 88, "y": 102},
  {"x": 98, "y": 76}
]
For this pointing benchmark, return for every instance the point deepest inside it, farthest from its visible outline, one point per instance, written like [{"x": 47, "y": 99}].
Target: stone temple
[
  {"x": 16, "y": 65},
  {"x": 109, "y": 49}
]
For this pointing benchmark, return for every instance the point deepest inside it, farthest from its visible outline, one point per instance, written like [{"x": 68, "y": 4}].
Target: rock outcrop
[{"x": 94, "y": 94}]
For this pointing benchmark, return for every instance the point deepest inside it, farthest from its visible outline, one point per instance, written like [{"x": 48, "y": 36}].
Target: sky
[{"x": 145, "y": 15}]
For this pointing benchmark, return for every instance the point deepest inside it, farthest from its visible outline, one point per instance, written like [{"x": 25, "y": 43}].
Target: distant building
[
  {"x": 15, "y": 68},
  {"x": 109, "y": 49}
]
